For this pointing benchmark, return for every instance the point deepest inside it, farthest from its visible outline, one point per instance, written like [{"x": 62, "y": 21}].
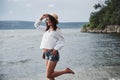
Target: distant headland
[{"x": 106, "y": 19}]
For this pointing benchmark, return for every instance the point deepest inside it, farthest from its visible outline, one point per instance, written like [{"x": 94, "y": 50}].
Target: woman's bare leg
[
  {"x": 46, "y": 62},
  {"x": 51, "y": 74}
]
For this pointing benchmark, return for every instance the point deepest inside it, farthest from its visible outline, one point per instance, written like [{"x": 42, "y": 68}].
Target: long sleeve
[
  {"x": 60, "y": 41},
  {"x": 38, "y": 25}
]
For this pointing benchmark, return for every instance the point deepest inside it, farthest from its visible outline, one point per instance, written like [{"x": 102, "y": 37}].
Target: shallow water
[{"x": 91, "y": 56}]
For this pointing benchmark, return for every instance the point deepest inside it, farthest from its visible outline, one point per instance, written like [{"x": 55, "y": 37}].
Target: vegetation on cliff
[{"x": 105, "y": 14}]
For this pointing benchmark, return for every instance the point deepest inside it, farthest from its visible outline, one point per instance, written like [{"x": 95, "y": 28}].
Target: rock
[
  {"x": 108, "y": 29},
  {"x": 118, "y": 29},
  {"x": 104, "y": 31}
]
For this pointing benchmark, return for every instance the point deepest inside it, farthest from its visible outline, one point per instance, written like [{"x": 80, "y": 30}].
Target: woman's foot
[{"x": 68, "y": 70}]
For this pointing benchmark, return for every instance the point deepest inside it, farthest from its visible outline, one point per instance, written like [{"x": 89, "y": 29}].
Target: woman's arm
[
  {"x": 38, "y": 25},
  {"x": 60, "y": 41}
]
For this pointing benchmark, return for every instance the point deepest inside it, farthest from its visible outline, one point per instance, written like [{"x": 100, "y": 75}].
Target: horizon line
[{"x": 34, "y": 21}]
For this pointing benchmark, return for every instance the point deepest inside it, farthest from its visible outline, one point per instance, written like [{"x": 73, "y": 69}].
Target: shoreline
[{"x": 108, "y": 29}]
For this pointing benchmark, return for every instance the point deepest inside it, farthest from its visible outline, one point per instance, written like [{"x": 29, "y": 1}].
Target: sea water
[{"x": 92, "y": 56}]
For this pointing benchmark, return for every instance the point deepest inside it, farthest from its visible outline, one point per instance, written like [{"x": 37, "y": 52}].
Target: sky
[{"x": 31, "y": 10}]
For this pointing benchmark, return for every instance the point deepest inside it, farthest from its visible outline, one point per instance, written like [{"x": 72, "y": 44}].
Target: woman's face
[{"x": 48, "y": 21}]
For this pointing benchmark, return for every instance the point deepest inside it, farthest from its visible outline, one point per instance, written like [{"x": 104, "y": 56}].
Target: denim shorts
[{"x": 49, "y": 56}]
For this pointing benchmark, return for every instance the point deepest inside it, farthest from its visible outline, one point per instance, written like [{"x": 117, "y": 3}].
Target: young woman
[{"x": 52, "y": 42}]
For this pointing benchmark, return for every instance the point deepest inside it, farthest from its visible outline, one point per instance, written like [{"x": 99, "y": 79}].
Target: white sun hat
[{"x": 54, "y": 15}]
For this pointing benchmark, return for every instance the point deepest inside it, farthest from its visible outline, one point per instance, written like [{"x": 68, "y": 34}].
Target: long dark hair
[{"x": 53, "y": 21}]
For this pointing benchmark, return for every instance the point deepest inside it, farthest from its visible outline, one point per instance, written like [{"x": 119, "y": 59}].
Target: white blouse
[{"x": 51, "y": 39}]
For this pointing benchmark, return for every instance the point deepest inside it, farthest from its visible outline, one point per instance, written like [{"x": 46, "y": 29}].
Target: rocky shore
[{"x": 108, "y": 29}]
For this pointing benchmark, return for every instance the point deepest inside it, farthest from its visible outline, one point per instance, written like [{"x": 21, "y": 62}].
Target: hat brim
[{"x": 54, "y": 18}]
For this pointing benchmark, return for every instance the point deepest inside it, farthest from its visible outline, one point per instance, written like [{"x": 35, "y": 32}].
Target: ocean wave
[
  {"x": 4, "y": 63},
  {"x": 1, "y": 42},
  {"x": 2, "y": 76}
]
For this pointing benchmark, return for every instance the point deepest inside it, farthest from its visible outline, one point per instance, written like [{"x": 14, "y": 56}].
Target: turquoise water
[{"x": 91, "y": 56}]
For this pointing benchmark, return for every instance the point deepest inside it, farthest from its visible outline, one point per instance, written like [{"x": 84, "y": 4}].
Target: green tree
[{"x": 108, "y": 14}]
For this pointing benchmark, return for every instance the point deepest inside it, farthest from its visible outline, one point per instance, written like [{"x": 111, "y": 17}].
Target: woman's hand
[
  {"x": 54, "y": 52},
  {"x": 44, "y": 16}
]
